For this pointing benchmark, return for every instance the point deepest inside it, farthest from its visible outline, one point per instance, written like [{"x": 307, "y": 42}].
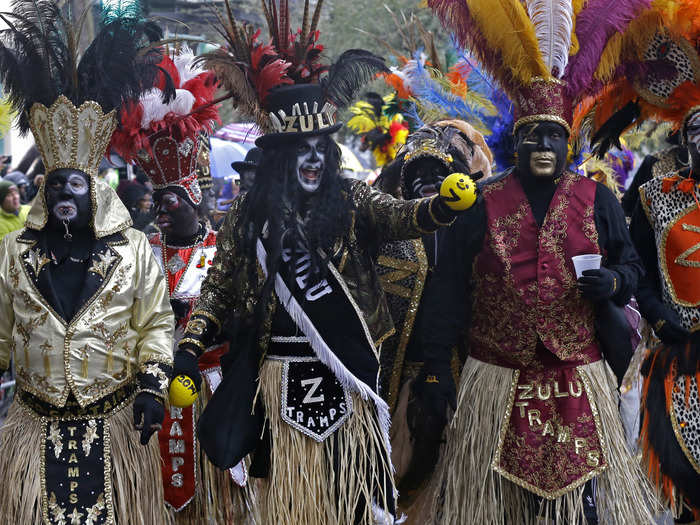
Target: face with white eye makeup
[
  {"x": 311, "y": 159},
  {"x": 692, "y": 136},
  {"x": 68, "y": 198}
]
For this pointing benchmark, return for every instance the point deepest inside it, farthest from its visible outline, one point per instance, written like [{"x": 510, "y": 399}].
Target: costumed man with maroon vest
[
  {"x": 536, "y": 408},
  {"x": 163, "y": 138}
]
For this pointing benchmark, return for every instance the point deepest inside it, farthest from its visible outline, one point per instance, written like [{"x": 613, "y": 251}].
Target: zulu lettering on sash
[
  {"x": 313, "y": 401},
  {"x": 302, "y": 274},
  {"x": 75, "y": 479}
]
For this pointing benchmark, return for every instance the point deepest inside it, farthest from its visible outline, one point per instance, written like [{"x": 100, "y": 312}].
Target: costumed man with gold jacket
[
  {"x": 292, "y": 264},
  {"x": 537, "y": 413},
  {"x": 164, "y": 139},
  {"x": 85, "y": 311}
]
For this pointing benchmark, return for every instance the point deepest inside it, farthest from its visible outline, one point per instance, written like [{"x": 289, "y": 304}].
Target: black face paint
[
  {"x": 542, "y": 149},
  {"x": 424, "y": 176},
  {"x": 175, "y": 216},
  {"x": 68, "y": 200},
  {"x": 692, "y": 139}
]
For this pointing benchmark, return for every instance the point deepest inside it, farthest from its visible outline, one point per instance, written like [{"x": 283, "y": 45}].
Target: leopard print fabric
[
  {"x": 662, "y": 210},
  {"x": 685, "y": 418}
]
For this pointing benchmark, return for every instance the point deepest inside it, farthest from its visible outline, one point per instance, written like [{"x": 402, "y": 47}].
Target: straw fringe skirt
[
  {"x": 303, "y": 487},
  {"x": 469, "y": 491},
  {"x": 136, "y": 478},
  {"x": 218, "y": 500}
]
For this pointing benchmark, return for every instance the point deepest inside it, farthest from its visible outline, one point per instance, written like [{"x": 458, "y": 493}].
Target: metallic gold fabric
[
  {"x": 125, "y": 324},
  {"x": 70, "y": 137},
  {"x": 227, "y": 287}
]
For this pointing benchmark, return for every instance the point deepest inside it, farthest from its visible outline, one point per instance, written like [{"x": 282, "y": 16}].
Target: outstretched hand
[{"x": 458, "y": 192}]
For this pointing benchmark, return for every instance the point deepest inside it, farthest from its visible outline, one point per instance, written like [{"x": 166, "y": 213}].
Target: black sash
[{"x": 327, "y": 311}]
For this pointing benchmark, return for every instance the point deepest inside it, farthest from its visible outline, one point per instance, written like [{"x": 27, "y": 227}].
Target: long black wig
[{"x": 274, "y": 205}]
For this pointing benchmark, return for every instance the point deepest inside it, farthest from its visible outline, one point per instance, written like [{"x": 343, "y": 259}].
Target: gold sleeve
[
  {"x": 395, "y": 219},
  {"x": 152, "y": 316},
  {"x": 7, "y": 316}
]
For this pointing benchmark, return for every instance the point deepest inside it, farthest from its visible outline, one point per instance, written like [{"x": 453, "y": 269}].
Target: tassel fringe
[{"x": 469, "y": 491}]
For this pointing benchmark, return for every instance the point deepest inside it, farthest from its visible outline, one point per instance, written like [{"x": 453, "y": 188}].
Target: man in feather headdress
[
  {"x": 292, "y": 266},
  {"x": 664, "y": 230},
  {"x": 85, "y": 312},
  {"x": 164, "y": 139},
  {"x": 537, "y": 415}
]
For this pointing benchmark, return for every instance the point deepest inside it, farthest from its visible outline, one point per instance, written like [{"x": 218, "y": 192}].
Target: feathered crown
[
  {"x": 380, "y": 125},
  {"x": 546, "y": 54},
  {"x": 284, "y": 85},
  {"x": 69, "y": 101},
  {"x": 161, "y": 133},
  {"x": 662, "y": 77}
]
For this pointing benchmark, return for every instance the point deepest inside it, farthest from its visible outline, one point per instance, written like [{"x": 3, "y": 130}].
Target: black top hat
[
  {"x": 251, "y": 161},
  {"x": 299, "y": 110}
]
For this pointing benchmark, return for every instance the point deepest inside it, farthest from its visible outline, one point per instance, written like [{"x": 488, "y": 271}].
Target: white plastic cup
[{"x": 586, "y": 262}]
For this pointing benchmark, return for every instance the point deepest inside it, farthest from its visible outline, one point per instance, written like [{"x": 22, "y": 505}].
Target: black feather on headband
[{"x": 40, "y": 58}]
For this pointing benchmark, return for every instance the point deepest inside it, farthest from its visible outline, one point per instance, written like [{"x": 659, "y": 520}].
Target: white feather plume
[
  {"x": 184, "y": 62},
  {"x": 554, "y": 24}
]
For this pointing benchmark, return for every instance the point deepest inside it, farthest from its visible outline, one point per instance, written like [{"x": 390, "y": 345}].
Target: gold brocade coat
[
  {"x": 377, "y": 215},
  {"x": 125, "y": 321}
]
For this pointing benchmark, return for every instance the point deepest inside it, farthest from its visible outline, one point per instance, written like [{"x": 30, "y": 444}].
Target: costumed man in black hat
[
  {"x": 405, "y": 268},
  {"x": 164, "y": 138},
  {"x": 85, "y": 312},
  {"x": 246, "y": 169},
  {"x": 292, "y": 266}
]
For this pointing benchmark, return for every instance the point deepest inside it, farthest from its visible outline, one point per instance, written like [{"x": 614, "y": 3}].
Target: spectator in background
[
  {"x": 22, "y": 183},
  {"x": 139, "y": 201},
  {"x": 12, "y": 212},
  {"x": 247, "y": 168}
]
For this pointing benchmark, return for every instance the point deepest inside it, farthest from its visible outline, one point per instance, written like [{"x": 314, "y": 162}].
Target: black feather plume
[
  {"x": 353, "y": 69},
  {"x": 39, "y": 59},
  {"x": 610, "y": 132}
]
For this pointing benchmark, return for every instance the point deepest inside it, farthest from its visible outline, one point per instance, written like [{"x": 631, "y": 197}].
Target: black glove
[
  {"x": 669, "y": 329},
  {"x": 599, "y": 285},
  {"x": 433, "y": 391},
  {"x": 187, "y": 364},
  {"x": 148, "y": 415},
  {"x": 180, "y": 308}
]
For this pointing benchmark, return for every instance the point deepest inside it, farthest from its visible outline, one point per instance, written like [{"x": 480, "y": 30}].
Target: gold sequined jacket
[
  {"x": 124, "y": 328},
  {"x": 227, "y": 288}
]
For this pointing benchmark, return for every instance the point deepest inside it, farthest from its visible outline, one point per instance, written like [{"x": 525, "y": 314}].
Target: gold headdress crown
[{"x": 70, "y": 137}]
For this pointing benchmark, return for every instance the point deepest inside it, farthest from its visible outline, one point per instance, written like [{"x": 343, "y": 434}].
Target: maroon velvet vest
[
  {"x": 525, "y": 279},
  {"x": 529, "y": 316}
]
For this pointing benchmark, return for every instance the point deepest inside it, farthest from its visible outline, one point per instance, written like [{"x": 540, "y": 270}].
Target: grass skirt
[
  {"x": 303, "y": 487},
  {"x": 136, "y": 479},
  {"x": 468, "y": 490}
]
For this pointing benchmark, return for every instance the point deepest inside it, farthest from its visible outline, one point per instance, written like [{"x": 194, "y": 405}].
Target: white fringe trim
[{"x": 324, "y": 353}]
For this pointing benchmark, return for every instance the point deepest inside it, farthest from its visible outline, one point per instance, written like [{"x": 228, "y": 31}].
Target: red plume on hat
[{"x": 162, "y": 136}]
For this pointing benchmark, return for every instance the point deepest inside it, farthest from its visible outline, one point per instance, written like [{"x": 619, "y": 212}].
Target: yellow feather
[
  {"x": 577, "y": 5},
  {"x": 6, "y": 116},
  {"x": 361, "y": 124},
  {"x": 631, "y": 44},
  {"x": 507, "y": 28}
]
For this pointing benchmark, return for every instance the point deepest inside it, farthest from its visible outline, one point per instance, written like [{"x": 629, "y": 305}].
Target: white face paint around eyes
[
  {"x": 77, "y": 185},
  {"x": 310, "y": 163},
  {"x": 693, "y": 128}
]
